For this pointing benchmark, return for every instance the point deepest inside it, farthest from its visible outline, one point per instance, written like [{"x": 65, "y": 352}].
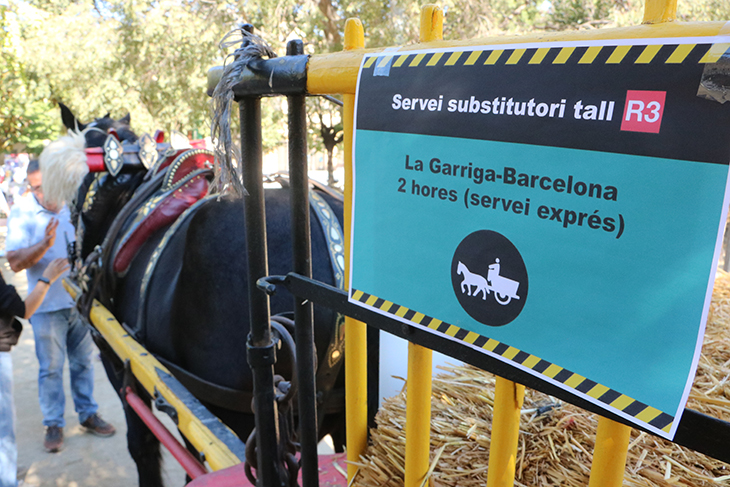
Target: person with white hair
[{"x": 33, "y": 228}]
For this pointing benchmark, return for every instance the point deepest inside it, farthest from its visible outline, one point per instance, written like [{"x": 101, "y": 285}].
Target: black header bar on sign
[{"x": 639, "y": 99}]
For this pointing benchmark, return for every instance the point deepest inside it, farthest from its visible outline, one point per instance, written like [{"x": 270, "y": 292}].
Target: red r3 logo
[{"x": 643, "y": 111}]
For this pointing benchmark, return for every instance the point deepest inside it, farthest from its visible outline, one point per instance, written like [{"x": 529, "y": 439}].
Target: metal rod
[
  {"x": 508, "y": 399},
  {"x": 609, "y": 454},
  {"x": 302, "y": 259},
  {"x": 356, "y": 410},
  {"x": 659, "y": 11},
  {"x": 186, "y": 459},
  {"x": 373, "y": 374},
  {"x": 267, "y": 426},
  {"x": 334, "y": 100},
  {"x": 418, "y": 414}
]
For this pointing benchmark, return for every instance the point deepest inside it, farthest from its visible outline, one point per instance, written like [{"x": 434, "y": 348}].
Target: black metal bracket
[
  {"x": 697, "y": 431},
  {"x": 260, "y": 356},
  {"x": 286, "y": 75},
  {"x": 268, "y": 284},
  {"x": 164, "y": 406}
]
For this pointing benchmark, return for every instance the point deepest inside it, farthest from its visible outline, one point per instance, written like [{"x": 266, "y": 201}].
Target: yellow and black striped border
[
  {"x": 710, "y": 53},
  {"x": 614, "y": 399}
]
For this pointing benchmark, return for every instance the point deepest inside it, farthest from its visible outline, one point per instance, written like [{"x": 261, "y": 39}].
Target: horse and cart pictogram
[
  {"x": 155, "y": 244},
  {"x": 504, "y": 288}
]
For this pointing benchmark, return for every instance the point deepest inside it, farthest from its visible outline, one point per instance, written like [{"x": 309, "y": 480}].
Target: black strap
[
  {"x": 221, "y": 396},
  {"x": 232, "y": 399}
]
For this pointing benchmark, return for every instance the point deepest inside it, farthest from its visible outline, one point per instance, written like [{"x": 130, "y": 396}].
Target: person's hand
[
  {"x": 50, "y": 237},
  {"x": 56, "y": 268}
]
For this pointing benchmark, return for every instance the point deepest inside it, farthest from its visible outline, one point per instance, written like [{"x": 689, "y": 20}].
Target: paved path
[{"x": 86, "y": 460}]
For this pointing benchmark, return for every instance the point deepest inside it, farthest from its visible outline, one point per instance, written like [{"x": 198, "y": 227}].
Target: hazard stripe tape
[
  {"x": 577, "y": 382},
  {"x": 625, "y": 54}
]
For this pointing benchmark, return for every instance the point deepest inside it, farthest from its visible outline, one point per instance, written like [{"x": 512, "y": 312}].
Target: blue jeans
[
  {"x": 8, "y": 449},
  {"x": 56, "y": 333}
]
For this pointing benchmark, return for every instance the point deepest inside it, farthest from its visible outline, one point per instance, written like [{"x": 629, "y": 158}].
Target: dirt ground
[{"x": 86, "y": 460}]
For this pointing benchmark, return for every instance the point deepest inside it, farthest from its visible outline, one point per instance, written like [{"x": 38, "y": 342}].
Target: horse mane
[{"x": 63, "y": 165}]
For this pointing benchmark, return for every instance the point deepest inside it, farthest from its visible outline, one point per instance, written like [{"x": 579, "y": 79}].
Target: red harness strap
[{"x": 186, "y": 182}]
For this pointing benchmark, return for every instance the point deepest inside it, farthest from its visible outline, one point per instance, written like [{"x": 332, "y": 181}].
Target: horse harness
[{"x": 174, "y": 189}]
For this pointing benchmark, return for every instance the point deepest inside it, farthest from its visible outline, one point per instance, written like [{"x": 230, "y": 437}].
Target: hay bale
[{"x": 556, "y": 439}]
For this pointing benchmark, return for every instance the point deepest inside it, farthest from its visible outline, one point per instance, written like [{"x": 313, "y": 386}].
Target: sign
[{"x": 557, "y": 206}]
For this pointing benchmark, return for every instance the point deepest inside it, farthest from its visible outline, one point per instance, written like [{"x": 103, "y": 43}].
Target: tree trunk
[{"x": 330, "y": 167}]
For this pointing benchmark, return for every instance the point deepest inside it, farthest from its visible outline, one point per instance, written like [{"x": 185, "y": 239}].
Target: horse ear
[
  {"x": 108, "y": 114},
  {"x": 69, "y": 119},
  {"x": 127, "y": 119}
]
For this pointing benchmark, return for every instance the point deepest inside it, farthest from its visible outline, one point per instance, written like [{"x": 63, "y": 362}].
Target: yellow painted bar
[
  {"x": 420, "y": 359},
  {"x": 356, "y": 408},
  {"x": 144, "y": 367},
  {"x": 609, "y": 455},
  {"x": 336, "y": 73},
  {"x": 659, "y": 11},
  {"x": 508, "y": 399},
  {"x": 418, "y": 414},
  {"x": 432, "y": 23}
]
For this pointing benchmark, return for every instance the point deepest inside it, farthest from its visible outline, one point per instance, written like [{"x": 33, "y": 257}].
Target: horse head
[
  {"x": 97, "y": 130},
  {"x": 93, "y": 198}
]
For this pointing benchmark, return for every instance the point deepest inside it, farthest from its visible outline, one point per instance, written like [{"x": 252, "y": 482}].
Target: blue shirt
[{"x": 26, "y": 227}]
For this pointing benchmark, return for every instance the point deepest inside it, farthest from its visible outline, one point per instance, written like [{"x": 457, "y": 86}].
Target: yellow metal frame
[
  {"x": 337, "y": 73},
  {"x": 144, "y": 367}
]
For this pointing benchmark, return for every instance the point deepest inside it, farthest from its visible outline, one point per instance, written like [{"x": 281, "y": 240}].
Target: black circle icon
[{"x": 489, "y": 278}]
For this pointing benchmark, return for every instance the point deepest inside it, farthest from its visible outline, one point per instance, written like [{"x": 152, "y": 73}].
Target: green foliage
[
  {"x": 567, "y": 14},
  {"x": 150, "y": 57},
  {"x": 704, "y": 10},
  {"x": 146, "y": 58},
  {"x": 24, "y": 106}
]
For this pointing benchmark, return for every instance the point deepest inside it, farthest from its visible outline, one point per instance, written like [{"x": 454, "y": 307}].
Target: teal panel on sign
[
  {"x": 614, "y": 309},
  {"x": 572, "y": 211}
]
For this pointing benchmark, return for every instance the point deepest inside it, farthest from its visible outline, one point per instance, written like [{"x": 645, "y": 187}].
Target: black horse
[{"x": 179, "y": 285}]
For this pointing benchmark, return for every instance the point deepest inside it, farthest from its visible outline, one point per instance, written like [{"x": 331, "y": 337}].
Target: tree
[
  {"x": 24, "y": 120},
  {"x": 146, "y": 58},
  {"x": 150, "y": 57},
  {"x": 703, "y": 10},
  {"x": 72, "y": 52},
  {"x": 326, "y": 129}
]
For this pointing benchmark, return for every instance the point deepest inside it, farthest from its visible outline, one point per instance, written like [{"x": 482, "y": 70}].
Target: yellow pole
[
  {"x": 609, "y": 455},
  {"x": 355, "y": 331},
  {"x": 418, "y": 400},
  {"x": 418, "y": 414},
  {"x": 508, "y": 398},
  {"x": 432, "y": 23},
  {"x": 660, "y": 11}
]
